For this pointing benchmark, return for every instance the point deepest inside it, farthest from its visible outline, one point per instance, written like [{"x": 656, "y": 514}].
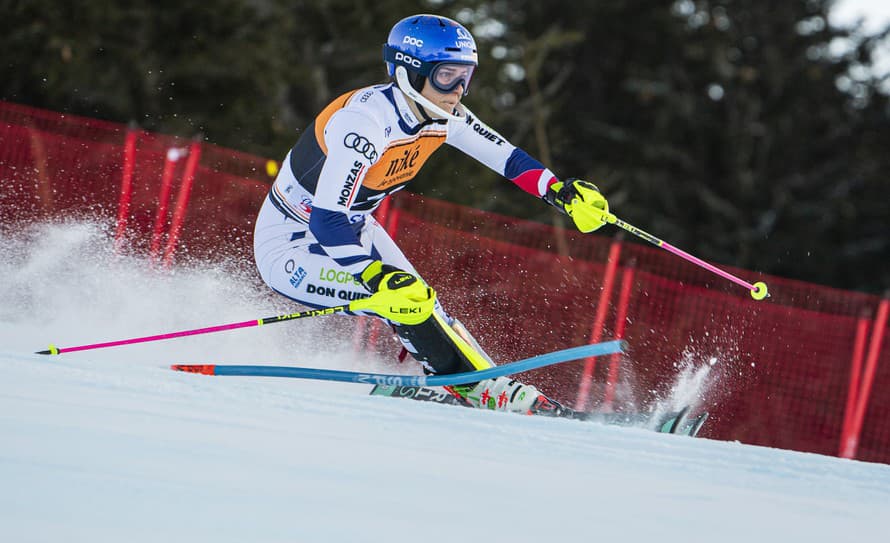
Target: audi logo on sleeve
[{"x": 361, "y": 145}]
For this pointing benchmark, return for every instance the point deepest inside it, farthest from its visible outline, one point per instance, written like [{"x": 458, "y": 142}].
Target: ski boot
[{"x": 505, "y": 394}]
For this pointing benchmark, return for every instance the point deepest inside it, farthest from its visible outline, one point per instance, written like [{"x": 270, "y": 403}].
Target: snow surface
[{"x": 110, "y": 445}]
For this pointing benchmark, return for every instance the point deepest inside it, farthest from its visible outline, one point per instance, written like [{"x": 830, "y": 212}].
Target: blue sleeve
[
  {"x": 519, "y": 163},
  {"x": 527, "y": 173}
]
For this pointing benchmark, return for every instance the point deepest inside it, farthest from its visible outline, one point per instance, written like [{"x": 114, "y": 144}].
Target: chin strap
[{"x": 405, "y": 86}]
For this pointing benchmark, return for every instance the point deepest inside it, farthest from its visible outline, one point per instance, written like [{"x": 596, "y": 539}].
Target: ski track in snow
[{"x": 110, "y": 445}]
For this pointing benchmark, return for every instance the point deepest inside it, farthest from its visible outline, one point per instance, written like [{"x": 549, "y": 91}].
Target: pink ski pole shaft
[
  {"x": 246, "y": 324},
  {"x": 757, "y": 290}
]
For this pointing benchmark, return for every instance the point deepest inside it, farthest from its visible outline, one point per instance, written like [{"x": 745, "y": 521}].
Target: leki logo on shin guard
[{"x": 404, "y": 310}]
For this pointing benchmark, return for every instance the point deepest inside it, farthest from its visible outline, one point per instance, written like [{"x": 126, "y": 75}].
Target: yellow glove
[
  {"x": 581, "y": 201},
  {"x": 396, "y": 295}
]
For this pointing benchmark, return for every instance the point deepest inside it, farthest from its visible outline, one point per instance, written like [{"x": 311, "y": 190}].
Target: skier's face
[{"x": 447, "y": 101}]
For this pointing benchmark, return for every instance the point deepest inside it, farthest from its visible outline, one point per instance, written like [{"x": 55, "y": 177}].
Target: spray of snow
[
  {"x": 66, "y": 285},
  {"x": 689, "y": 389}
]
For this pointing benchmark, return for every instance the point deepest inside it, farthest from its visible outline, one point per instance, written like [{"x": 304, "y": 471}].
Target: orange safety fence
[{"x": 807, "y": 369}]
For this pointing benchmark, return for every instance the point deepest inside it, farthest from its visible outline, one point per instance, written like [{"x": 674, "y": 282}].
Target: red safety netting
[{"x": 780, "y": 370}]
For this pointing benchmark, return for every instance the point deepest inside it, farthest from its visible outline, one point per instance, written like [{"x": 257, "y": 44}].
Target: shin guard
[{"x": 439, "y": 348}]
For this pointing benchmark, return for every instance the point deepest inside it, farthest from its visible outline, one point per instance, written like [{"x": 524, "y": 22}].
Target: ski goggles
[{"x": 446, "y": 76}]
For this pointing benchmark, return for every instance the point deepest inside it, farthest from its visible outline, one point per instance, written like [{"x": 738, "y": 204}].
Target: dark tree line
[{"x": 728, "y": 127}]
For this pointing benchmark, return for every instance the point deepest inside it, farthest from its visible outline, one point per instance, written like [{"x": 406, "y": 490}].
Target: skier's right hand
[{"x": 396, "y": 295}]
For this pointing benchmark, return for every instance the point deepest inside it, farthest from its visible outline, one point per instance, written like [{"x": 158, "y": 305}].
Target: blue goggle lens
[{"x": 446, "y": 76}]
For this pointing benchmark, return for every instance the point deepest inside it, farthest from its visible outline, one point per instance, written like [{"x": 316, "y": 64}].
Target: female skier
[{"x": 363, "y": 147}]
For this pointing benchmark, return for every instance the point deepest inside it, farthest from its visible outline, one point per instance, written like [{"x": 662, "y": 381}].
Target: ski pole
[
  {"x": 757, "y": 290},
  {"x": 246, "y": 324}
]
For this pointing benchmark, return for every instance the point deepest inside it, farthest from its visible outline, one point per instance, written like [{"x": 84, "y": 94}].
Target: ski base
[{"x": 676, "y": 422}]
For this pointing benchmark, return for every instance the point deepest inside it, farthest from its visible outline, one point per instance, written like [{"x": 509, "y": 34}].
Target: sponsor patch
[
  {"x": 361, "y": 145},
  {"x": 297, "y": 277}
]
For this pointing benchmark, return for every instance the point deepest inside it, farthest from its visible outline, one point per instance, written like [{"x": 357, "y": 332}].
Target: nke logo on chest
[{"x": 402, "y": 163}]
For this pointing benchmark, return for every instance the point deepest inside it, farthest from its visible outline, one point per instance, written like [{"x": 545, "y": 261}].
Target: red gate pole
[
  {"x": 391, "y": 215},
  {"x": 369, "y": 324},
  {"x": 182, "y": 199},
  {"x": 359, "y": 342},
  {"x": 596, "y": 332},
  {"x": 620, "y": 325},
  {"x": 123, "y": 208},
  {"x": 868, "y": 376},
  {"x": 170, "y": 161},
  {"x": 383, "y": 212},
  {"x": 855, "y": 377},
  {"x": 392, "y": 221}
]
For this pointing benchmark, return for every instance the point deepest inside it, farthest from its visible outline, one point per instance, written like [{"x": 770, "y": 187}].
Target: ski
[
  {"x": 682, "y": 423},
  {"x": 671, "y": 425},
  {"x": 674, "y": 422},
  {"x": 692, "y": 426},
  {"x": 423, "y": 394}
]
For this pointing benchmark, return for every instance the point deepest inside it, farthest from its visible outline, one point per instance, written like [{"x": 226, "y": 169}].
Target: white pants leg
[{"x": 291, "y": 262}]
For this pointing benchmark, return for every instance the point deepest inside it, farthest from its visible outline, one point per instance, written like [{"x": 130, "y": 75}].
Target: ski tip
[
  {"x": 681, "y": 416},
  {"x": 204, "y": 369},
  {"x": 697, "y": 425}
]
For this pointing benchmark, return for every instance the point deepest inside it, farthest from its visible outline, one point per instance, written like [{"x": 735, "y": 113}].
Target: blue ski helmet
[{"x": 423, "y": 43}]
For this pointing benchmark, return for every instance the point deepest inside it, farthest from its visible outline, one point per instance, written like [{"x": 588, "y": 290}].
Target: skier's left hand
[{"x": 580, "y": 200}]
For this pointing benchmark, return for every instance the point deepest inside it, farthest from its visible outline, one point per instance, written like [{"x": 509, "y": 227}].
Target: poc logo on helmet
[
  {"x": 411, "y": 40},
  {"x": 411, "y": 61}
]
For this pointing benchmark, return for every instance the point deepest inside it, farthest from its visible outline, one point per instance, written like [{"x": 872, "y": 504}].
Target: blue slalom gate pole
[{"x": 535, "y": 362}]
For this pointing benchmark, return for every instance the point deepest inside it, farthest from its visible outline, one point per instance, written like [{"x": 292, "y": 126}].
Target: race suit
[{"x": 315, "y": 234}]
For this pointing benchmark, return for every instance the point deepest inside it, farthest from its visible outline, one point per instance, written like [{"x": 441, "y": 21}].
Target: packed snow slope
[{"x": 110, "y": 445}]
